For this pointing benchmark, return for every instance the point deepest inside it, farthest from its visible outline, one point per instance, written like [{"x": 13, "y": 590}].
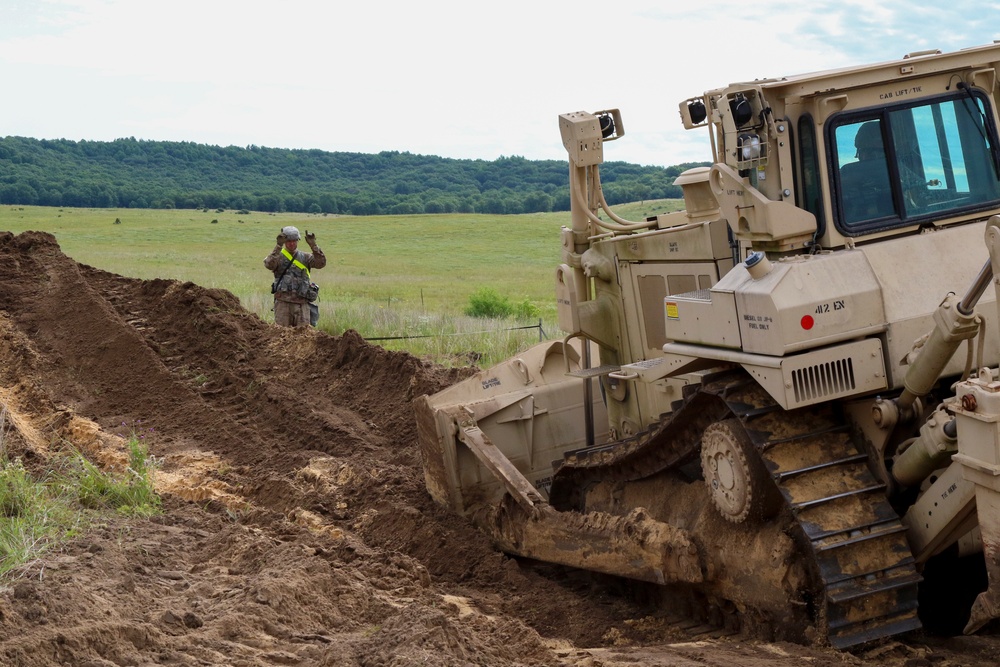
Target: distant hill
[{"x": 130, "y": 173}]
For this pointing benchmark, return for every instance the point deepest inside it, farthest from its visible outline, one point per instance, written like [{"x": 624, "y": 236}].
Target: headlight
[
  {"x": 741, "y": 109},
  {"x": 749, "y": 147}
]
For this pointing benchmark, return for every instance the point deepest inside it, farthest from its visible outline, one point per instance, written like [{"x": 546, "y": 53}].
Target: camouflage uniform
[{"x": 291, "y": 308}]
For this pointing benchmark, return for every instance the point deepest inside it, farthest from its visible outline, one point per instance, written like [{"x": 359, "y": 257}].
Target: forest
[{"x": 131, "y": 173}]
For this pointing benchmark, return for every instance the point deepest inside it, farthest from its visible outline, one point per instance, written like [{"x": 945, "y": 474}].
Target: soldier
[
  {"x": 292, "y": 288},
  {"x": 866, "y": 191}
]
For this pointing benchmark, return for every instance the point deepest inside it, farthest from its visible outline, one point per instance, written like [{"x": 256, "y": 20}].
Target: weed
[
  {"x": 236, "y": 514},
  {"x": 129, "y": 492},
  {"x": 27, "y": 516},
  {"x": 254, "y": 386},
  {"x": 18, "y": 494},
  {"x": 36, "y": 514}
]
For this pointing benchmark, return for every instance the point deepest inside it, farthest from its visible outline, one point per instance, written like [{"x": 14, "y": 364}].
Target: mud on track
[{"x": 296, "y": 528}]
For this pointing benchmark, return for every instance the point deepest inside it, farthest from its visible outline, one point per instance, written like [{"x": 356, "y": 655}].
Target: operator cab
[
  {"x": 913, "y": 164},
  {"x": 860, "y": 154}
]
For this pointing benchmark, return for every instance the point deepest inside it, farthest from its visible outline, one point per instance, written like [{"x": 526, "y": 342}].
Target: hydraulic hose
[
  {"x": 625, "y": 225},
  {"x": 620, "y": 224}
]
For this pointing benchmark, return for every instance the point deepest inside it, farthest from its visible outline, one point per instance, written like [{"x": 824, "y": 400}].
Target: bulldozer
[{"x": 783, "y": 400}]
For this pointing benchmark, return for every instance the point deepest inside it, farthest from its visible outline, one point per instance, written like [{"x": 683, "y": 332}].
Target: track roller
[{"x": 739, "y": 485}]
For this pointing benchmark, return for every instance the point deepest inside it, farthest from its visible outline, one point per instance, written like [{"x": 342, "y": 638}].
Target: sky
[{"x": 468, "y": 80}]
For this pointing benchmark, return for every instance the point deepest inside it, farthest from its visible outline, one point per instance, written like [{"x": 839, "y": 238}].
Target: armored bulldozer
[{"x": 784, "y": 399}]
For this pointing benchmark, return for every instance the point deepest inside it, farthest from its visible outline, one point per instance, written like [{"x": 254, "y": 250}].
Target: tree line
[{"x": 131, "y": 173}]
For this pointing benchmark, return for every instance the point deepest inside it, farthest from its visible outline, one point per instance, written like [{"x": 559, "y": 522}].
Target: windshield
[{"x": 913, "y": 164}]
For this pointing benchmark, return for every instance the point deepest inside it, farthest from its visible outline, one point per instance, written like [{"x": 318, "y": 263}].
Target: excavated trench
[{"x": 296, "y": 528}]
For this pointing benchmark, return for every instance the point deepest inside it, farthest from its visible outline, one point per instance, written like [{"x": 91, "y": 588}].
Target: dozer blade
[
  {"x": 533, "y": 412},
  {"x": 979, "y": 454},
  {"x": 489, "y": 445},
  {"x": 987, "y": 604},
  {"x": 634, "y": 546}
]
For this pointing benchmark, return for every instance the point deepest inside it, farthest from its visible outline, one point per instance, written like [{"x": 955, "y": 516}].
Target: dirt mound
[{"x": 296, "y": 528}]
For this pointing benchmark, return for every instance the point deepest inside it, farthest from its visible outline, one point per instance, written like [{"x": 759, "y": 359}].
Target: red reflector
[{"x": 807, "y": 322}]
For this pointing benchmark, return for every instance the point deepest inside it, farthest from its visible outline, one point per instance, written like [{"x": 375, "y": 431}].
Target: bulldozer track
[{"x": 865, "y": 577}]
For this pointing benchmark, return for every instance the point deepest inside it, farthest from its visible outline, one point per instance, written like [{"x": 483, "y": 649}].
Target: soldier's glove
[
  {"x": 281, "y": 239},
  {"x": 310, "y": 238}
]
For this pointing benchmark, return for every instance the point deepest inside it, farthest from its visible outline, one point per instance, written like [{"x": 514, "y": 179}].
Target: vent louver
[{"x": 821, "y": 380}]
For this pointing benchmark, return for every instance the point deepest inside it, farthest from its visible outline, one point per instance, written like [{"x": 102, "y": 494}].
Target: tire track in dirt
[{"x": 297, "y": 529}]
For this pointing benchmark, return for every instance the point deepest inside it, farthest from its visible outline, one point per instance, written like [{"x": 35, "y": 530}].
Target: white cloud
[{"x": 455, "y": 79}]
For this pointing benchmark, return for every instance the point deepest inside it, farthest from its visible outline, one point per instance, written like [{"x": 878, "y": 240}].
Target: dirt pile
[{"x": 296, "y": 527}]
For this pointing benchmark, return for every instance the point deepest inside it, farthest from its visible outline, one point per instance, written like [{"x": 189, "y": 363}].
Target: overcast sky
[{"x": 475, "y": 80}]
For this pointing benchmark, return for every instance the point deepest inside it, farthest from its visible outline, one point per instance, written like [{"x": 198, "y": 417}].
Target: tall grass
[
  {"x": 386, "y": 275},
  {"x": 447, "y": 339},
  {"x": 28, "y": 516}
]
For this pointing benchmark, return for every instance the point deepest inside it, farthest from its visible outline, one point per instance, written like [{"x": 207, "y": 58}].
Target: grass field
[{"x": 387, "y": 276}]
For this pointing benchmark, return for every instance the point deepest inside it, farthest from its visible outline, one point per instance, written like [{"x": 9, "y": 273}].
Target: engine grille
[{"x": 823, "y": 380}]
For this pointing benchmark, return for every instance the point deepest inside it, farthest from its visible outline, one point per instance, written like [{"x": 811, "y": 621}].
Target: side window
[
  {"x": 810, "y": 194},
  {"x": 929, "y": 153},
  {"x": 943, "y": 160}
]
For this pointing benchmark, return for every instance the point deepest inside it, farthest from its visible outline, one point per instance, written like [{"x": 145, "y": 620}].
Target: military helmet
[{"x": 291, "y": 233}]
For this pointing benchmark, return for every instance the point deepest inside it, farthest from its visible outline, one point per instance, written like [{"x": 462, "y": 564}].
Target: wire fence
[{"x": 541, "y": 333}]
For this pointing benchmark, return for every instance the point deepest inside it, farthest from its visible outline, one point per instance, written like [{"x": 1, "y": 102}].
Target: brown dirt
[{"x": 296, "y": 528}]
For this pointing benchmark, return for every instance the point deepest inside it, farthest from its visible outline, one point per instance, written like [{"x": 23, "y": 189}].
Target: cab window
[
  {"x": 810, "y": 192},
  {"x": 912, "y": 164}
]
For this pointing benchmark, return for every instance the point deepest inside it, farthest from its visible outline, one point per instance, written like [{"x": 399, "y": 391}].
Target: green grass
[
  {"x": 129, "y": 492},
  {"x": 38, "y": 514},
  {"x": 27, "y": 516},
  {"x": 386, "y": 275}
]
